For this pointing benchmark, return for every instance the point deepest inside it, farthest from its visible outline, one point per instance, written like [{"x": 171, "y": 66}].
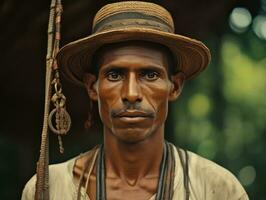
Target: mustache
[{"x": 136, "y": 108}]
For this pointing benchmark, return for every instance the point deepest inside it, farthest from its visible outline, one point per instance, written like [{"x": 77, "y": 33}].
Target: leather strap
[{"x": 185, "y": 167}]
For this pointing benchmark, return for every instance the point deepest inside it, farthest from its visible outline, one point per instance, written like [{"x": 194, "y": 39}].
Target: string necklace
[{"x": 165, "y": 182}]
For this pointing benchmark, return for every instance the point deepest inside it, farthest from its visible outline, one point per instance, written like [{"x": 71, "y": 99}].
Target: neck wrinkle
[{"x": 132, "y": 162}]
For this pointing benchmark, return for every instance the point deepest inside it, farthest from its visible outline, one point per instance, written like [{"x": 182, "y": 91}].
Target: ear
[
  {"x": 90, "y": 84},
  {"x": 177, "y": 83}
]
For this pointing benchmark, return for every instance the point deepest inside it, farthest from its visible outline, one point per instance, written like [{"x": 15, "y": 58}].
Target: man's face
[{"x": 133, "y": 90}]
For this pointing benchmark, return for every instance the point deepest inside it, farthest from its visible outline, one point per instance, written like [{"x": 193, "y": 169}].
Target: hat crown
[
  {"x": 131, "y": 14},
  {"x": 131, "y": 21}
]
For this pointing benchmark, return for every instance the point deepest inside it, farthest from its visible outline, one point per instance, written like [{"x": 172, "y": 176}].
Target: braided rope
[{"x": 42, "y": 182}]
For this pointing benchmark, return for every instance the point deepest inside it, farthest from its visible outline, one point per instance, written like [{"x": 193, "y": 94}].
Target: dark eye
[
  {"x": 150, "y": 75},
  {"x": 114, "y": 75}
]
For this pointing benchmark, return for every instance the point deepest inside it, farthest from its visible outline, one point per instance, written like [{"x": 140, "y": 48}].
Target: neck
[{"x": 133, "y": 161}]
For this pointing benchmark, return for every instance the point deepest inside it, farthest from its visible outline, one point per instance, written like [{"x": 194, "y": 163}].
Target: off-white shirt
[{"x": 207, "y": 181}]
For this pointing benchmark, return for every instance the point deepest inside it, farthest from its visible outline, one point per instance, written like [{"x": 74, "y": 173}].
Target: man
[{"x": 132, "y": 66}]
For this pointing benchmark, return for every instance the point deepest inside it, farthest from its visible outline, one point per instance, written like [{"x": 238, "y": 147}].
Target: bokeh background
[{"x": 220, "y": 115}]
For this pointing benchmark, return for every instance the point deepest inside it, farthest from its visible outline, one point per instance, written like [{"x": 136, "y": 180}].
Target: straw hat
[{"x": 132, "y": 20}]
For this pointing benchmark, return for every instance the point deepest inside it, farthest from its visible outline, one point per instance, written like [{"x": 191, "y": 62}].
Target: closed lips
[{"x": 133, "y": 114}]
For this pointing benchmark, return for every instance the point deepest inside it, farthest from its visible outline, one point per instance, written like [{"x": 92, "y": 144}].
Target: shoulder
[
  {"x": 59, "y": 177},
  {"x": 61, "y": 181},
  {"x": 213, "y": 181},
  {"x": 209, "y": 171},
  {"x": 29, "y": 189}
]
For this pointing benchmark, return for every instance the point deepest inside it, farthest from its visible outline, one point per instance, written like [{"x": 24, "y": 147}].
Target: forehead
[{"x": 134, "y": 52}]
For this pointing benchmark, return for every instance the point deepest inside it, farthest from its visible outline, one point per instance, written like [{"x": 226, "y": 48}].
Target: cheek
[
  {"x": 157, "y": 96},
  {"x": 108, "y": 97}
]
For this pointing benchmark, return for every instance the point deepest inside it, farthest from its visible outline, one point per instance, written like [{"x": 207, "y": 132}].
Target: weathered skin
[{"x": 132, "y": 89}]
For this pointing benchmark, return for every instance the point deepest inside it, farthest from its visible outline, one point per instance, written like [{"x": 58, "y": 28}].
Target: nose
[{"x": 131, "y": 91}]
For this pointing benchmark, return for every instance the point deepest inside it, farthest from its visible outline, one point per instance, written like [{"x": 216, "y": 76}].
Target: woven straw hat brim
[{"x": 74, "y": 59}]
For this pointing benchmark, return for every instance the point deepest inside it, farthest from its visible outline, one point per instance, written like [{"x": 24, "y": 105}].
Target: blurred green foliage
[{"x": 221, "y": 114}]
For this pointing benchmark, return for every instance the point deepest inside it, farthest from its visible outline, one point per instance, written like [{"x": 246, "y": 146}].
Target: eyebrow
[{"x": 106, "y": 69}]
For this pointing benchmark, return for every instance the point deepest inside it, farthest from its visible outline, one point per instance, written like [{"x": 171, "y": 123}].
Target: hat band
[{"x": 132, "y": 19}]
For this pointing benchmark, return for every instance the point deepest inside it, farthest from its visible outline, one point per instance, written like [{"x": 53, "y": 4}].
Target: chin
[{"x": 132, "y": 135}]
